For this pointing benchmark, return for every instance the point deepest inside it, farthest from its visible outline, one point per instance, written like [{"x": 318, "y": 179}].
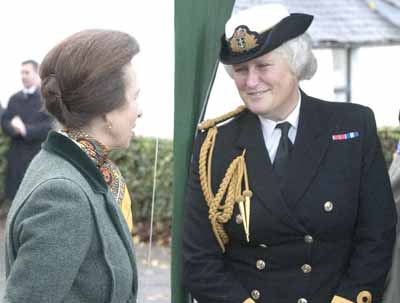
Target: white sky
[{"x": 28, "y": 29}]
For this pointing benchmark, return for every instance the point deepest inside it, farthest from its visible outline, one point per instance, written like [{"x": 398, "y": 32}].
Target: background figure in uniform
[
  {"x": 392, "y": 292},
  {"x": 1, "y": 111},
  {"x": 290, "y": 201},
  {"x": 394, "y": 174},
  {"x": 27, "y": 125}
]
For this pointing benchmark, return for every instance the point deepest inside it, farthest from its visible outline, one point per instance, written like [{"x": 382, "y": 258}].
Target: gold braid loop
[
  {"x": 204, "y": 182},
  {"x": 213, "y": 122},
  {"x": 220, "y": 212},
  {"x": 227, "y": 208}
]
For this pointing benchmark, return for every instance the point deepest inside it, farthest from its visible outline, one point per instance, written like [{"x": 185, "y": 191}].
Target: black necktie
[{"x": 282, "y": 157}]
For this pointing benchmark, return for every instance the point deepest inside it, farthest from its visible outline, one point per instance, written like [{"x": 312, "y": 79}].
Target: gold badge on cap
[{"x": 242, "y": 40}]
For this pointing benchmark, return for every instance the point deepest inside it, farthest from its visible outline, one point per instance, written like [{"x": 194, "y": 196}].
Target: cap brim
[{"x": 288, "y": 28}]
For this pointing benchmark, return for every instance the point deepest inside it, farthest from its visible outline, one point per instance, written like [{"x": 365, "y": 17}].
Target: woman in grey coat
[{"x": 68, "y": 236}]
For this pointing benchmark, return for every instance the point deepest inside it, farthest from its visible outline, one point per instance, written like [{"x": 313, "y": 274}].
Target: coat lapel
[
  {"x": 311, "y": 144},
  {"x": 65, "y": 148},
  {"x": 262, "y": 180},
  {"x": 122, "y": 229}
]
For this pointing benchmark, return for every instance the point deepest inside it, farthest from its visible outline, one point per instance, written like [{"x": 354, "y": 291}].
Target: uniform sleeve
[
  {"x": 51, "y": 235},
  {"x": 375, "y": 229},
  {"x": 204, "y": 273}
]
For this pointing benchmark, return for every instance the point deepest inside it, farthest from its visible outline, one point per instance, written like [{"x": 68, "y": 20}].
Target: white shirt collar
[
  {"x": 29, "y": 90},
  {"x": 293, "y": 118},
  {"x": 272, "y": 135}
]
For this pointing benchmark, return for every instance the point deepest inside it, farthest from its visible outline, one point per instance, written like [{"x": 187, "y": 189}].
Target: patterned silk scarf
[{"x": 98, "y": 153}]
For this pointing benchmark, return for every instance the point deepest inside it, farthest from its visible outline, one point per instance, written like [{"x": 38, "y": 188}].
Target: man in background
[
  {"x": 27, "y": 126},
  {"x": 392, "y": 292}
]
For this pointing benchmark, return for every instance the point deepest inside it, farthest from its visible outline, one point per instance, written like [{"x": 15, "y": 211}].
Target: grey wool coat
[{"x": 66, "y": 238}]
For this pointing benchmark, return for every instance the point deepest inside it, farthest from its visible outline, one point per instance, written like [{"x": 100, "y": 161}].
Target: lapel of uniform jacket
[
  {"x": 311, "y": 144},
  {"x": 61, "y": 145},
  {"x": 262, "y": 180}
]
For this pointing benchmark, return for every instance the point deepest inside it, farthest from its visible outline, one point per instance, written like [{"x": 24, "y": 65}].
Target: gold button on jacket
[
  {"x": 308, "y": 239},
  {"x": 306, "y": 268},
  {"x": 328, "y": 206},
  {"x": 260, "y": 264},
  {"x": 255, "y": 294}
]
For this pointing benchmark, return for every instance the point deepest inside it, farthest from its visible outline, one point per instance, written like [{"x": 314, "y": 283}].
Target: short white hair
[{"x": 299, "y": 56}]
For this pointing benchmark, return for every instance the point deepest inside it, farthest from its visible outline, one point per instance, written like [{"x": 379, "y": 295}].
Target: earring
[{"x": 109, "y": 125}]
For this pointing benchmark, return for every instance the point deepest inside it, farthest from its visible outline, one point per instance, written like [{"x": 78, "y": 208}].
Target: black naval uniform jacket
[
  {"x": 329, "y": 231},
  {"x": 23, "y": 149}
]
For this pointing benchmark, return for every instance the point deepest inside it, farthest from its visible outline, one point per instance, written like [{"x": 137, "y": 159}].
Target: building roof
[{"x": 345, "y": 23}]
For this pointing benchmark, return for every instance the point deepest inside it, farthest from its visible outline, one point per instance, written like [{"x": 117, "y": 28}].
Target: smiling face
[
  {"x": 123, "y": 119},
  {"x": 267, "y": 85}
]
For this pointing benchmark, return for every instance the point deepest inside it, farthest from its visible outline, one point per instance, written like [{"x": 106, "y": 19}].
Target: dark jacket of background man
[{"x": 27, "y": 105}]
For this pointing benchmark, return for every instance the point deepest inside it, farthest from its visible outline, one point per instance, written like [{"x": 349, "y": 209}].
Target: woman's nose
[{"x": 252, "y": 78}]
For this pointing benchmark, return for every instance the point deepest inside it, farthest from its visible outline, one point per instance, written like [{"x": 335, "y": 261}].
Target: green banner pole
[{"x": 199, "y": 25}]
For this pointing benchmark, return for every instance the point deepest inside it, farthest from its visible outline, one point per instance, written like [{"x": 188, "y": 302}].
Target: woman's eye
[{"x": 238, "y": 70}]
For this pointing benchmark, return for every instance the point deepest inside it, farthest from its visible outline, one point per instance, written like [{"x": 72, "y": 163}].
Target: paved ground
[{"x": 154, "y": 278}]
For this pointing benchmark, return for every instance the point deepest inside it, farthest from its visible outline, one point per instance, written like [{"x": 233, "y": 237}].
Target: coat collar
[
  {"x": 64, "y": 147},
  {"x": 310, "y": 146}
]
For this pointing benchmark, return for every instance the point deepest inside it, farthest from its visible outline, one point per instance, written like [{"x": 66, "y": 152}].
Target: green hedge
[{"x": 137, "y": 166}]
